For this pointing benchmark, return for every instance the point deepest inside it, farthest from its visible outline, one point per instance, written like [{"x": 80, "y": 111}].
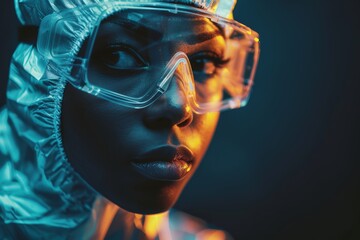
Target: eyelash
[
  {"x": 198, "y": 61},
  {"x": 111, "y": 53},
  {"x": 219, "y": 62}
]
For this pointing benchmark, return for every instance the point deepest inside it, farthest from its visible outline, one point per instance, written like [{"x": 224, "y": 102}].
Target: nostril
[
  {"x": 187, "y": 118},
  {"x": 186, "y": 122}
]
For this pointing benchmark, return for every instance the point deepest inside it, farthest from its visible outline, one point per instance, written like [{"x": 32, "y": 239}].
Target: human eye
[
  {"x": 206, "y": 64},
  {"x": 121, "y": 57}
]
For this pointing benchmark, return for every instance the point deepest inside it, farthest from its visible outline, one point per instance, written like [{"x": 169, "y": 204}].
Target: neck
[{"x": 113, "y": 221}]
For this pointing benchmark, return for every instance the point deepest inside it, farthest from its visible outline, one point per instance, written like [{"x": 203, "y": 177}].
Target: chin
[
  {"x": 148, "y": 208},
  {"x": 151, "y": 200}
]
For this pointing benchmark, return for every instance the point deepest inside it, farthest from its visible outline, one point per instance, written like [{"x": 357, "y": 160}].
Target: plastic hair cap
[{"x": 31, "y": 12}]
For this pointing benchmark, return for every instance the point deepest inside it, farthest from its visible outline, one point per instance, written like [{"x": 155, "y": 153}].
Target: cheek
[{"x": 93, "y": 134}]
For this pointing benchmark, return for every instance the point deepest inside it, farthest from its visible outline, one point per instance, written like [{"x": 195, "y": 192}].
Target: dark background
[{"x": 287, "y": 165}]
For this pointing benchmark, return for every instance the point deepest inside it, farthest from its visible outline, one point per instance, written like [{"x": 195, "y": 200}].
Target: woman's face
[{"x": 140, "y": 159}]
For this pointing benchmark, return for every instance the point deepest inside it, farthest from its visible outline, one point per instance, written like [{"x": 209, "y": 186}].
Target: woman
[{"x": 110, "y": 107}]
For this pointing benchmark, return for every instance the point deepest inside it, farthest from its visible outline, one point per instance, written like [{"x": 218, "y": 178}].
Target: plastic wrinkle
[{"x": 32, "y": 12}]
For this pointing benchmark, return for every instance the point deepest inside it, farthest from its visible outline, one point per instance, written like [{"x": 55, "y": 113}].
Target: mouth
[{"x": 166, "y": 163}]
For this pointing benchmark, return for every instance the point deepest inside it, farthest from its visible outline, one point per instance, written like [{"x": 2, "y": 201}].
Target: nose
[{"x": 172, "y": 108}]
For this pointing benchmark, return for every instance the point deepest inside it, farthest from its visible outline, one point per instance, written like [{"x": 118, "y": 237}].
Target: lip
[{"x": 165, "y": 163}]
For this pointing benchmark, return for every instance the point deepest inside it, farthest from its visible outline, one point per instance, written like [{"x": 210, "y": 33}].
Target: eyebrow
[
  {"x": 147, "y": 34},
  {"x": 144, "y": 33},
  {"x": 202, "y": 37}
]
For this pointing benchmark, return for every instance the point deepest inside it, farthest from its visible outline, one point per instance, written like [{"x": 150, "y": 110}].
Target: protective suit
[{"x": 41, "y": 196}]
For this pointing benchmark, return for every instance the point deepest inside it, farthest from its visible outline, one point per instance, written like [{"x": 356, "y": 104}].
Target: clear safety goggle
[{"x": 132, "y": 52}]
